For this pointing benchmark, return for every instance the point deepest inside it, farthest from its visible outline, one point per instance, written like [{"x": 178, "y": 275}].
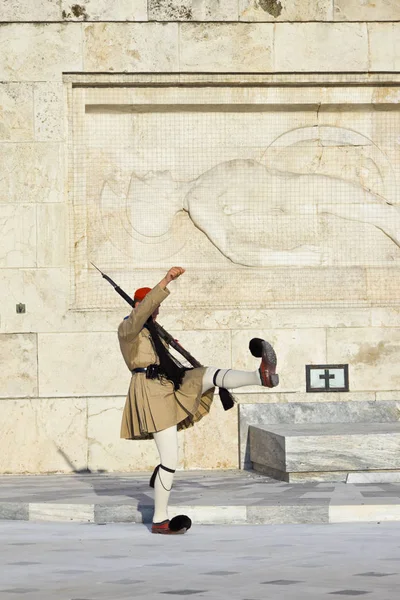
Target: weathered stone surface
[
  {"x": 28, "y": 10},
  {"x": 43, "y": 435},
  {"x": 45, "y": 293},
  {"x": 16, "y": 121},
  {"x": 18, "y": 233},
  {"x": 31, "y": 173},
  {"x": 312, "y": 412},
  {"x": 49, "y": 111},
  {"x": 328, "y": 447},
  {"x": 283, "y": 10},
  {"x": 52, "y": 240},
  {"x": 131, "y": 47},
  {"x": 103, "y": 10},
  {"x": 373, "y": 356},
  {"x": 193, "y": 10},
  {"x": 46, "y": 51},
  {"x": 384, "y": 46},
  {"x": 366, "y": 10},
  {"x": 226, "y": 47},
  {"x": 321, "y": 47},
  {"x": 81, "y": 364},
  {"x": 213, "y": 442},
  {"x": 19, "y": 377},
  {"x": 106, "y": 450}
]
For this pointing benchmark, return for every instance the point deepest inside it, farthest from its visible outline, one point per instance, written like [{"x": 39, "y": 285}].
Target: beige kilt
[{"x": 153, "y": 404}]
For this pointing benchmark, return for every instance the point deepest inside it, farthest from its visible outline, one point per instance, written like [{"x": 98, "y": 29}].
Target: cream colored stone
[
  {"x": 385, "y": 316},
  {"x": 373, "y": 356},
  {"x": 30, "y": 10},
  {"x": 45, "y": 293},
  {"x": 294, "y": 349},
  {"x": 271, "y": 397},
  {"x": 31, "y": 173},
  {"x": 213, "y": 442},
  {"x": 49, "y": 111},
  {"x": 52, "y": 511},
  {"x": 30, "y": 52},
  {"x": 193, "y": 10},
  {"x": 285, "y": 318},
  {"x": 106, "y": 450},
  {"x": 81, "y": 364},
  {"x": 18, "y": 235},
  {"x": 52, "y": 235},
  {"x": 103, "y": 10},
  {"x": 16, "y": 122},
  {"x": 320, "y": 47},
  {"x": 384, "y": 46},
  {"x": 131, "y": 47},
  {"x": 366, "y": 10},
  {"x": 226, "y": 47},
  {"x": 211, "y": 348},
  {"x": 277, "y": 10},
  {"x": 43, "y": 435},
  {"x": 18, "y": 378}
]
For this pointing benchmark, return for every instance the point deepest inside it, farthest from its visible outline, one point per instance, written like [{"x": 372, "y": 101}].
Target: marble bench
[{"x": 324, "y": 451}]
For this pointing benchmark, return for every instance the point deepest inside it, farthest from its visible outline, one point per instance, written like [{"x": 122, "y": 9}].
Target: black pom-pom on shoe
[
  {"x": 256, "y": 347},
  {"x": 180, "y": 522}
]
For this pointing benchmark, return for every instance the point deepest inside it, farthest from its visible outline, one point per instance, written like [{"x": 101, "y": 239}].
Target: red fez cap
[{"x": 141, "y": 293}]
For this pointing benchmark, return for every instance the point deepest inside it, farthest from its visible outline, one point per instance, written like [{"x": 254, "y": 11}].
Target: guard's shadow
[{"x": 111, "y": 486}]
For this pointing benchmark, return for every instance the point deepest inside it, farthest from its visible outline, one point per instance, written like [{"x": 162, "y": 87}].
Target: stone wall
[{"x": 62, "y": 382}]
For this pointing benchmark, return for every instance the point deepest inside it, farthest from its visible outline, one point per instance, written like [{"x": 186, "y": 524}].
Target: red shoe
[
  {"x": 267, "y": 369},
  {"x": 176, "y": 526}
]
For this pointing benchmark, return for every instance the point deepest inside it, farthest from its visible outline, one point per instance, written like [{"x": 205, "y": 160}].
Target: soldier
[{"x": 164, "y": 398}]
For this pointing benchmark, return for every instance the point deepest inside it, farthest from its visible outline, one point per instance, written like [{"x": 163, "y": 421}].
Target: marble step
[{"x": 324, "y": 451}]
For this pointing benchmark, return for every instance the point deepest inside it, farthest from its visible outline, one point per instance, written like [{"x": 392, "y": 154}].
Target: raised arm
[{"x": 131, "y": 327}]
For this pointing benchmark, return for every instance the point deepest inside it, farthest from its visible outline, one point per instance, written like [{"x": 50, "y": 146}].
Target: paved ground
[
  {"x": 75, "y": 561},
  {"x": 206, "y": 496}
]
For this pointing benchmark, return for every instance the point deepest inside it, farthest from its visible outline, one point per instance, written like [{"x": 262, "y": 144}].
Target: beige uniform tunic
[{"x": 153, "y": 404}]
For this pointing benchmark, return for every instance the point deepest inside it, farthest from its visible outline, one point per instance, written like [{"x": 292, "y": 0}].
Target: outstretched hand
[{"x": 172, "y": 274}]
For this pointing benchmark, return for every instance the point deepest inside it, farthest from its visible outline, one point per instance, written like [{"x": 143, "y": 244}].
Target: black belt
[{"x": 139, "y": 370}]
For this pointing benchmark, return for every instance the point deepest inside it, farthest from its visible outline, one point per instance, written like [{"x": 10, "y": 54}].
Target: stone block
[
  {"x": 131, "y": 47},
  {"x": 18, "y": 233},
  {"x": 366, "y": 10},
  {"x": 106, "y": 450},
  {"x": 193, "y": 10},
  {"x": 378, "y": 513},
  {"x": 275, "y": 10},
  {"x": 236, "y": 47},
  {"x": 14, "y": 511},
  {"x": 103, "y": 10},
  {"x": 384, "y": 46},
  {"x": 52, "y": 229},
  {"x": 45, "y": 293},
  {"x": 26, "y": 10},
  {"x": 324, "y": 448},
  {"x": 294, "y": 348},
  {"x": 81, "y": 364},
  {"x": 296, "y": 513},
  {"x": 43, "y": 435},
  {"x": 312, "y": 412},
  {"x": 373, "y": 356},
  {"x": 16, "y": 104},
  {"x": 18, "y": 351},
  {"x": 213, "y": 442},
  {"x": 31, "y": 173},
  {"x": 320, "y": 47},
  {"x": 40, "y": 52},
  {"x": 49, "y": 111}
]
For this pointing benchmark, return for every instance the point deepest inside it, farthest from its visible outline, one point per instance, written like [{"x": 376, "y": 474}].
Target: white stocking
[
  {"x": 167, "y": 446},
  {"x": 229, "y": 378}
]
